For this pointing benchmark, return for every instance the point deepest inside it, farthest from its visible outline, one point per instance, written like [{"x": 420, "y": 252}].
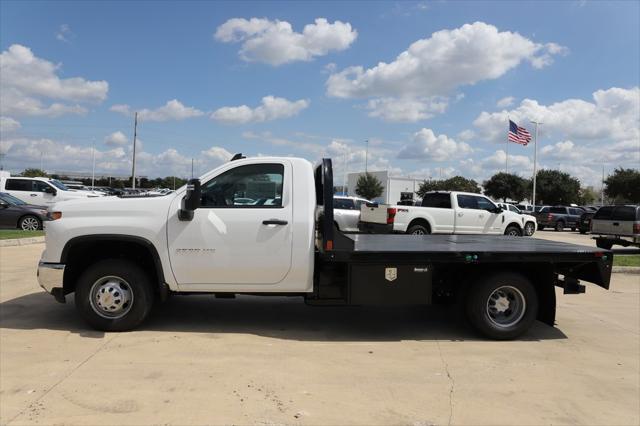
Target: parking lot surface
[{"x": 200, "y": 360}]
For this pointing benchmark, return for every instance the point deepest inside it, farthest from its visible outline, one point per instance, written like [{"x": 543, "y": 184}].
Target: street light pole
[
  {"x": 135, "y": 134},
  {"x": 366, "y": 155},
  {"x": 535, "y": 164},
  {"x": 93, "y": 168}
]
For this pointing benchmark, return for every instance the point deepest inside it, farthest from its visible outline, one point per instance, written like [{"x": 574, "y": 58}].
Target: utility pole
[
  {"x": 535, "y": 163},
  {"x": 366, "y": 155},
  {"x": 191, "y": 168},
  {"x": 602, "y": 187},
  {"x": 42, "y": 160},
  {"x": 135, "y": 134},
  {"x": 344, "y": 180},
  {"x": 93, "y": 168}
]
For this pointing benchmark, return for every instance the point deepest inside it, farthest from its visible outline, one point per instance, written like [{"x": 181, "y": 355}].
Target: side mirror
[
  {"x": 191, "y": 201},
  {"x": 497, "y": 210},
  {"x": 3, "y": 204},
  {"x": 50, "y": 190}
]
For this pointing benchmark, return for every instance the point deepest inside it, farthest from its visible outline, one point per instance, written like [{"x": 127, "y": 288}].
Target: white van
[{"x": 40, "y": 191}]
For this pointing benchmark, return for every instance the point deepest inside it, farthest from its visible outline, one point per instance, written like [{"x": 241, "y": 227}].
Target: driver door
[{"x": 241, "y": 234}]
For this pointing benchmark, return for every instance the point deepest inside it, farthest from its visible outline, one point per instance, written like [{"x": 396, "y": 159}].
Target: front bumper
[{"x": 50, "y": 278}]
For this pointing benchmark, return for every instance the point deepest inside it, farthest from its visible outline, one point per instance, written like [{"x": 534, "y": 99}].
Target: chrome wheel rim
[
  {"x": 111, "y": 297},
  {"x": 506, "y": 306},
  {"x": 30, "y": 224},
  {"x": 529, "y": 229},
  {"x": 418, "y": 232},
  {"x": 513, "y": 233}
]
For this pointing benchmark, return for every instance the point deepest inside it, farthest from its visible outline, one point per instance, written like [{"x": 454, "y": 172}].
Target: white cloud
[
  {"x": 466, "y": 135},
  {"x": 172, "y": 110},
  {"x": 442, "y": 62},
  {"x": 65, "y": 34},
  {"x": 59, "y": 156},
  {"x": 505, "y": 102},
  {"x": 272, "y": 108},
  {"x": 427, "y": 146},
  {"x": 406, "y": 109},
  {"x": 27, "y": 82},
  {"x": 8, "y": 125},
  {"x": 117, "y": 139},
  {"x": 614, "y": 114},
  {"x": 275, "y": 42}
]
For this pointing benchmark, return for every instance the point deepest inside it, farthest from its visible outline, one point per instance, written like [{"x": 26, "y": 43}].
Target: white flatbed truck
[{"x": 121, "y": 255}]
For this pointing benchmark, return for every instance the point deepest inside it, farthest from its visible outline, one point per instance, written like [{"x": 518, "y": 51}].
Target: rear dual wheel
[{"x": 502, "y": 306}]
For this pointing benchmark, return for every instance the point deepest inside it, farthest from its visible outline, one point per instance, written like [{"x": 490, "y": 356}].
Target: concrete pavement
[{"x": 267, "y": 361}]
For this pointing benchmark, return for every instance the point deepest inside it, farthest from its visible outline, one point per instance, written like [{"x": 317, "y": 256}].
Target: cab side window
[
  {"x": 250, "y": 186},
  {"x": 484, "y": 204},
  {"x": 39, "y": 186},
  {"x": 467, "y": 202},
  {"x": 18, "y": 185}
]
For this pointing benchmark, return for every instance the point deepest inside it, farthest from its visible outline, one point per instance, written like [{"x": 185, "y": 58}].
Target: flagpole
[
  {"x": 506, "y": 166},
  {"x": 535, "y": 164}
]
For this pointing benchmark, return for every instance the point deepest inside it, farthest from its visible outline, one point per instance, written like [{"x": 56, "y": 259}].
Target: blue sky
[{"x": 441, "y": 107}]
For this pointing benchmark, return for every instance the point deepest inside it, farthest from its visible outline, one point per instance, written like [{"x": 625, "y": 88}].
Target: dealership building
[{"x": 393, "y": 186}]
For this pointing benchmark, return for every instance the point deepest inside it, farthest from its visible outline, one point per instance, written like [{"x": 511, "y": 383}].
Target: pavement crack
[
  {"x": 63, "y": 378},
  {"x": 452, "y": 382}
]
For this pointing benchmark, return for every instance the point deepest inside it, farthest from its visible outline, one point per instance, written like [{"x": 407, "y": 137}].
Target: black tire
[
  {"x": 30, "y": 223},
  {"x": 540, "y": 228},
  {"x": 529, "y": 229},
  {"x": 477, "y": 305},
  {"x": 139, "y": 287},
  {"x": 418, "y": 230},
  {"x": 513, "y": 231},
  {"x": 559, "y": 226},
  {"x": 573, "y": 229},
  {"x": 604, "y": 243},
  {"x": 583, "y": 231}
]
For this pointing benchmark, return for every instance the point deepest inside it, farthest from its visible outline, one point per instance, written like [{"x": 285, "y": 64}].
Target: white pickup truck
[
  {"x": 121, "y": 255},
  {"x": 444, "y": 212}
]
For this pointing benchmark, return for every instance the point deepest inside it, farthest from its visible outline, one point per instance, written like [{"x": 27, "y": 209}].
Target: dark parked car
[
  {"x": 15, "y": 213},
  {"x": 617, "y": 225},
  {"x": 585, "y": 221},
  {"x": 559, "y": 217}
]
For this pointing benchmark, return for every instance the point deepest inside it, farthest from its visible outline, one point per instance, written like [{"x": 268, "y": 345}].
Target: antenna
[{"x": 238, "y": 156}]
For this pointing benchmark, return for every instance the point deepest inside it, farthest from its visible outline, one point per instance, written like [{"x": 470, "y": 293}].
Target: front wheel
[
  {"x": 114, "y": 295},
  {"x": 529, "y": 229},
  {"x": 30, "y": 223},
  {"x": 502, "y": 306},
  {"x": 559, "y": 226}
]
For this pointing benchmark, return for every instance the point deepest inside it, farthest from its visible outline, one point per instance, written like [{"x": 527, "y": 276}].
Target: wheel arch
[{"x": 110, "y": 246}]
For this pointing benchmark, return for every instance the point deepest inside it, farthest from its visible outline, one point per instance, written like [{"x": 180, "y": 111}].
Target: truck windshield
[{"x": 58, "y": 184}]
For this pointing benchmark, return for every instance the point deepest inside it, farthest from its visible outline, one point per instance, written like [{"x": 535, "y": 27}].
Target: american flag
[{"x": 518, "y": 134}]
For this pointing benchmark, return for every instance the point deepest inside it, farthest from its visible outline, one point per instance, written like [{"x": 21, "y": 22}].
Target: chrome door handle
[
  {"x": 34, "y": 195},
  {"x": 460, "y": 214},
  {"x": 274, "y": 222}
]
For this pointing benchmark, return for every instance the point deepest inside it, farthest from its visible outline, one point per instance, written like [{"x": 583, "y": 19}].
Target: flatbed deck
[{"x": 399, "y": 243}]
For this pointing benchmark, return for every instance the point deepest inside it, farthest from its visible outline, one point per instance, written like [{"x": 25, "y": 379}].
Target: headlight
[{"x": 55, "y": 215}]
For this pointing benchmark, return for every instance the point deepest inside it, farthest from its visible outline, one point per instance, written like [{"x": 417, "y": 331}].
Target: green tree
[
  {"x": 506, "y": 185},
  {"x": 369, "y": 186},
  {"x": 587, "y": 196},
  {"x": 623, "y": 185},
  {"x": 34, "y": 173},
  {"x": 456, "y": 183},
  {"x": 556, "y": 187}
]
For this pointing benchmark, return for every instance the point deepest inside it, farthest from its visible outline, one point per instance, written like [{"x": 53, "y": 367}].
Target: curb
[
  {"x": 21, "y": 241},
  {"x": 626, "y": 269}
]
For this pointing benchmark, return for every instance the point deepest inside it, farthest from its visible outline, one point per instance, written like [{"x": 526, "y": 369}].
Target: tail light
[
  {"x": 549, "y": 216},
  {"x": 636, "y": 228},
  {"x": 391, "y": 215}
]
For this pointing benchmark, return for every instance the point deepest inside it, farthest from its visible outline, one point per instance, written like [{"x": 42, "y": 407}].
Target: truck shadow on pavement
[{"x": 276, "y": 317}]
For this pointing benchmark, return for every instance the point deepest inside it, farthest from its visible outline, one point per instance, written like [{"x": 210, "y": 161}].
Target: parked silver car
[{"x": 346, "y": 212}]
